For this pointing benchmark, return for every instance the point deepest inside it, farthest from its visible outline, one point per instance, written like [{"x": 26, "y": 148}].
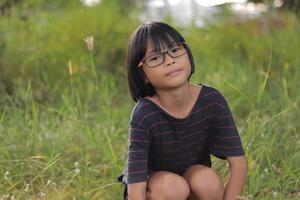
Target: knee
[
  {"x": 167, "y": 185},
  {"x": 207, "y": 184},
  {"x": 208, "y": 178},
  {"x": 175, "y": 187}
]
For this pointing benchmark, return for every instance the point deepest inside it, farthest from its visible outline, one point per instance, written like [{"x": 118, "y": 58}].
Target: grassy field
[{"x": 64, "y": 136}]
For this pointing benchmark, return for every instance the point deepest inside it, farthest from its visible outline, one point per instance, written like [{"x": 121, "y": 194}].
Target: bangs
[{"x": 162, "y": 37}]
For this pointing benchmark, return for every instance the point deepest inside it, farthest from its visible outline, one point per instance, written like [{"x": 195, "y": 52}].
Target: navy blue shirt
[{"x": 159, "y": 141}]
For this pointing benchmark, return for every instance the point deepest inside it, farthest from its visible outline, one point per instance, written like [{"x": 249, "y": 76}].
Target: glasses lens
[
  {"x": 154, "y": 60},
  {"x": 158, "y": 58},
  {"x": 177, "y": 50}
]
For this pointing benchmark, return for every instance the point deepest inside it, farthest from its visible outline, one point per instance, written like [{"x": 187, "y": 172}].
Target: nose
[{"x": 168, "y": 59}]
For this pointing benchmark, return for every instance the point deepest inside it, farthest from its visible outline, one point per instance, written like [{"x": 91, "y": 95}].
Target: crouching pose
[{"x": 176, "y": 125}]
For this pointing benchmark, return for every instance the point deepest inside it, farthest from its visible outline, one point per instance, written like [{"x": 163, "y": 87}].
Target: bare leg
[
  {"x": 204, "y": 182},
  {"x": 164, "y": 185}
]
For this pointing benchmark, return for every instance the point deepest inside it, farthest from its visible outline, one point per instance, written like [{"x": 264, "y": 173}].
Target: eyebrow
[
  {"x": 153, "y": 51},
  {"x": 150, "y": 53},
  {"x": 161, "y": 50}
]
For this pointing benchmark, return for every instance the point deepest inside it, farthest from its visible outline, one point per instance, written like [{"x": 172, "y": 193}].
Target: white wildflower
[
  {"x": 77, "y": 171},
  {"x": 76, "y": 165},
  {"x": 266, "y": 170},
  {"x": 48, "y": 183},
  {"x": 6, "y": 175},
  {"x": 26, "y": 189},
  {"x": 42, "y": 194}
]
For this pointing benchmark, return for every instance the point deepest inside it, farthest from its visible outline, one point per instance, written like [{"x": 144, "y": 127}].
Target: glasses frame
[{"x": 163, "y": 52}]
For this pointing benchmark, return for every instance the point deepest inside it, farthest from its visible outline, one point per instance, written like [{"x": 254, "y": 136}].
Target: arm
[
  {"x": 137, "y": 191},
  {"x": 137, "y": 162},
  {"x": 237, "y": 178}
]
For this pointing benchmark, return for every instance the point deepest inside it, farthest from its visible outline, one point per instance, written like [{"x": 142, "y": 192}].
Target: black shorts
[{"x": 125, "y": 195}]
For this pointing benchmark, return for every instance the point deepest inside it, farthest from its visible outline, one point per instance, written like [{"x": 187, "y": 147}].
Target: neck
[{"x": 176, "y": 99}]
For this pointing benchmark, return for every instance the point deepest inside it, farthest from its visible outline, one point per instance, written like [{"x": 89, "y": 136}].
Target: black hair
[{"x": 158, "y": 33}]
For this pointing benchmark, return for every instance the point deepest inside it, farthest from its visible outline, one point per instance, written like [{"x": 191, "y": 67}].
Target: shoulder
[
  {"x": 141, "y": 110},
  {"x": 214, "y": 95}
]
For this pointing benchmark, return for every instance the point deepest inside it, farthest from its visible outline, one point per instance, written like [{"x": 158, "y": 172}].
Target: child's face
[{"x": 159, "y": 77}]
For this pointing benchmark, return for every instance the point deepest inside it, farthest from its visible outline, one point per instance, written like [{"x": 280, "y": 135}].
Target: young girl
[{"x": 175, "y": 125}]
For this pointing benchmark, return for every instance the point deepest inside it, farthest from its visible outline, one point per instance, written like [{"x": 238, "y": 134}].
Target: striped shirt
[{"x": 159, "y": 141}]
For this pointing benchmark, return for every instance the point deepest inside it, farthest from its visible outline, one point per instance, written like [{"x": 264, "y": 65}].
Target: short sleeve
[
  {"x": 225, "y": 139},
  {"x": 138, "y": 153}
]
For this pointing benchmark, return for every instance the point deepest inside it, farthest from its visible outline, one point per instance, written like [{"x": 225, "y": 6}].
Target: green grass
[{"x": 52, "y": 120}]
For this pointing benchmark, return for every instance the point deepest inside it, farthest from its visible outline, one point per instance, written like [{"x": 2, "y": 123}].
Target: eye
[
  {"x": 154, "y": 58},
  {"x": 175, "y": 49}
]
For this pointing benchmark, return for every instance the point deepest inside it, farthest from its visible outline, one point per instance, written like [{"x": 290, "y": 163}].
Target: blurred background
[{"x": 64, "y": 108}]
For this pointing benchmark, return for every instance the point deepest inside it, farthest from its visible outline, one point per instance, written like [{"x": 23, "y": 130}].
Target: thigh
[{"x": 167, "y": 184}]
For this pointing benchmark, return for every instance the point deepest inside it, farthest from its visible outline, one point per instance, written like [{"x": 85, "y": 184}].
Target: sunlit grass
[{"x": 73, "y": 145}]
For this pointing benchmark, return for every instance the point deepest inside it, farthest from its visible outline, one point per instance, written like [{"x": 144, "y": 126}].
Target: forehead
[{"x": 157, "y": 44}]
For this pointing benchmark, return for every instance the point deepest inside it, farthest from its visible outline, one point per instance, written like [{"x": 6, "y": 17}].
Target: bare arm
[
  {"x": 137, "y": 191},
  {"x": 237, "y": 178}
]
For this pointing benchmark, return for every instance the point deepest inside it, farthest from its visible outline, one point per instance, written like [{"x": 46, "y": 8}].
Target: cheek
[
  {"x": 186, "y": 65},
  {"x": 152, "y": 74},
  {"x": 155, "y": 76}
]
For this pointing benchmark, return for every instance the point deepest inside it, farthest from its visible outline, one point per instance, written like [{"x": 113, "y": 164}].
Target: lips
[{"x": 171, "y": 71}]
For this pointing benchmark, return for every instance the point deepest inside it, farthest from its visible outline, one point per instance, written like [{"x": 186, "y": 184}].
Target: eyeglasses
[{"x": 157, "y": 58}]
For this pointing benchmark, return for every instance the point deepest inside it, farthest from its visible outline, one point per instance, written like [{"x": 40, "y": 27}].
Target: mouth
[{"x": 173, "y": 72}]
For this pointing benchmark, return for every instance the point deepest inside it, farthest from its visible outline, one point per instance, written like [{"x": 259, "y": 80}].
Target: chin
[{"x": 177, "y": 83}]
